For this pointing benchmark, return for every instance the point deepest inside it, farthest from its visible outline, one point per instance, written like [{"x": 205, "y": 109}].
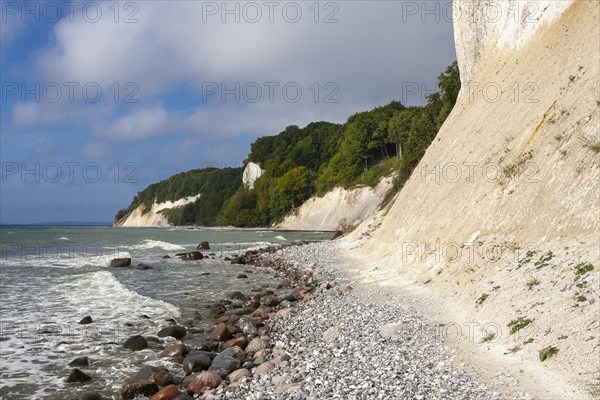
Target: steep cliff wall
[
  {"x": 153, "y": 217},
  {"x": 338, "y": 207},
  {"x": 502, "y": 216}
]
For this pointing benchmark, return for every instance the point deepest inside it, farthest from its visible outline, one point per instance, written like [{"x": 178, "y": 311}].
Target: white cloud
[
  {"x": 141, "y": 124},
  {"x": 368, "y": 55}
]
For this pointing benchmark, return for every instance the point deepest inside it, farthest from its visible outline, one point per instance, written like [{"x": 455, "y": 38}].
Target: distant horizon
[{"x": 60, "y": 223}]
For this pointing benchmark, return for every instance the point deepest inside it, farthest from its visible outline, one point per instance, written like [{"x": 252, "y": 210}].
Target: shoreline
[{"x": 325, "y": 337}]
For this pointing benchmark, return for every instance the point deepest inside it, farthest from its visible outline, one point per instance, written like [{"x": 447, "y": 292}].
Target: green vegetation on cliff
[
  {"x": 301, "y": 162},
  {"x": 214, "y": 185}
]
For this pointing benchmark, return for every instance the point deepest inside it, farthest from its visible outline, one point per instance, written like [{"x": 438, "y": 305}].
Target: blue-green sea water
[{"x": 51, "y": 277}]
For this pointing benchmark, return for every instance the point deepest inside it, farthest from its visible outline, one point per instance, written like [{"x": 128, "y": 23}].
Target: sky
[{"x": 101, "y": 98}]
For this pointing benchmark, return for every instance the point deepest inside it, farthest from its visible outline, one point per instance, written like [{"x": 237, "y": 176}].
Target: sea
[{"x": 53, "y": 276}]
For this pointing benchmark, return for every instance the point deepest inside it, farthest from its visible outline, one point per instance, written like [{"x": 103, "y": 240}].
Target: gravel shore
[{"x": 344, "y": 343}]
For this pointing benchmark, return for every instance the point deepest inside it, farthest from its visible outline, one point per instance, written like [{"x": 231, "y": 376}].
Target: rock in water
[
  {"x": 145, "y": 382},
  {"x": 143, "y": 266},
  {"x": 77, "y": 376},
  {"x": 120, "y": 263},
  {"x": 176, "y": 331},
  {"x": 203, "y": 246},
  {"x": 86, "y": 320},
  {"x": 92, "y": 396},
  {"x": 79, "y": 362},
  {"x": 136, "y": 343}
]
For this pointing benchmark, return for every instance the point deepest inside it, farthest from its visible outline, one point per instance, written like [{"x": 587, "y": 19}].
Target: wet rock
[
  {"x": 165, "y": 257},
  {"x": 80, "y": 362},
  {"x": 92, "y": 396},
  {"x": 196, "y": 363},
  {"x": 239, "y": 374},
  {"x": 167, "y": 393},
  {"x": 120, "y": 263},
  {"x": 239, "y": 260},
  {"x": 204, "y": 381},
  {"x": 263, "y": 368},
  {"x": 225, "y": 365},
  {"x": 175, "y": 350},
  {"x": 176, "y": 331},
  {"x": 220, "y": 333},
  {"x": 228, "y": 361},
  {"x": 145, "y": 382},
  {"x": 86, "y": 320},
  {"x": 216, "y": 309},
  {"x": 78, "y": 376},
  {"x": 242, "y": 276},
  {"x": 136, "y": 343},
  {"x": 143, "y": 266},
  {"x": 234, "y": 352},
  {"x": 237, "y": 296},
  {"x": 203, "y": 246},
  {"x": 198, "y": 343}
]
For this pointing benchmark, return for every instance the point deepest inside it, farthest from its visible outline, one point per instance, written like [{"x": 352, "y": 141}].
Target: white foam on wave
[
  {"x": 280, "y": 238},
  {"x": 117, "y": 303},
  {"x": 42, "y": 329},
  {"x": 63, "y": 238},
  {"x": 147, "y": 244}
]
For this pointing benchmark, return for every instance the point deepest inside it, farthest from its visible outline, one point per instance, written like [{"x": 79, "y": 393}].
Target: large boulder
[
  {"x": 220, "y": 333},
  {"x": 204, "y": 381},
  {"x": 78, "y": 376},
  {"x": 196, "y": 362},
  {"x": 247, "y": 325},
  {"x": 203, "y": 246},
  {"x": 178, "y": 350},
  {"x": 120, "y": 263},
  {"x": 145, "y": 382},
  {"x": 136, "y": 343},
  {"x": 167, "y": 393},
  {"x": 176, "y": 331},
  {"x": 228, "y": 361}
]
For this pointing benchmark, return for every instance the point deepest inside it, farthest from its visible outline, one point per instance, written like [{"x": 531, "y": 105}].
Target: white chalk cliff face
[
  {"x": 251, "y": 173},
  {"x": 507, "y": 193},
  {"x": 338, "y": 207},
  {"x": 138, "y": 218},
  {"x": 491, "y": 25}
]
